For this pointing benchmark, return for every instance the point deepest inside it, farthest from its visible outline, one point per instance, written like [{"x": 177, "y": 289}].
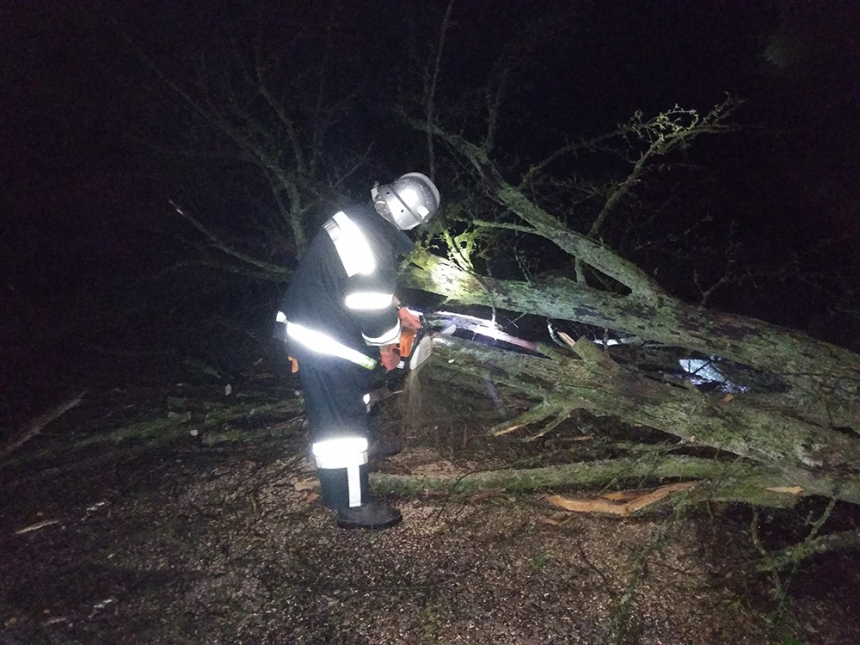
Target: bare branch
[
  {"x": 221, "y": 245},
  {"x": 664, "y": 133},
  {"x": 571, "y": 148},
  {"x": 35, "y": 425},
  {"x": 431, "y": 82}
]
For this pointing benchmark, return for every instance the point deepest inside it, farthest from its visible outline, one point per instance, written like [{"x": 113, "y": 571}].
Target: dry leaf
[
  {"x": 727, "y": 398},
  {"x": 307, "y": 484},
  {"x": 788, "y": 490}
]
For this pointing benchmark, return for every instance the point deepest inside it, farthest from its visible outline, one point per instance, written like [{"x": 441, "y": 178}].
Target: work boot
[
  {"x": 385, "y": 447},
  {"x": 373, "y": 516}
]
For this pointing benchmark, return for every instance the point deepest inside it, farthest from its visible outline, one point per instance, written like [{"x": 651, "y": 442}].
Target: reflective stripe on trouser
[{"x": 342, "y": 468}]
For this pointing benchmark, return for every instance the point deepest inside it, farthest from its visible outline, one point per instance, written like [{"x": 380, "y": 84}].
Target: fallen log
[
  {"x": 733, "y": 481},
  {"x": 824, "y": 379},
  {"x": 746, "y": 425}
]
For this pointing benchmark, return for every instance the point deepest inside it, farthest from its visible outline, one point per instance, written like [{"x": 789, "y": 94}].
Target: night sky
[{"x": 87, "y": 128}]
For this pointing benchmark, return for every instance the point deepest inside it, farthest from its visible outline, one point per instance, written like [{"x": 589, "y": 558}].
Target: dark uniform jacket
[{"x": 350, "y": 309}]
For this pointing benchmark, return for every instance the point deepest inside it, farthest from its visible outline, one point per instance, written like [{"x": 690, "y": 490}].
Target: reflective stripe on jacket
[
  {"x": 322, "y": 344},
  {"x": 343, "y": 288}
]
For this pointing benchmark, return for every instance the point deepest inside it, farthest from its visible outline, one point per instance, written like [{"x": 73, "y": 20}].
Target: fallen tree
[
  {"x": 755, "y": 446},
  {"x": 764, "y": 446},
  {"x": 801, "y": 435},
  {"x": 824, "y": 379}
]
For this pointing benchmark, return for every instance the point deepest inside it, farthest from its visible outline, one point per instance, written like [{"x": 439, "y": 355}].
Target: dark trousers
[{"x": 334, "y": 399}]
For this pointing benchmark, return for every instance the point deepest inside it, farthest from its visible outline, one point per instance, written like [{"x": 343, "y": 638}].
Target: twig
[
  {"x": 626, "y": 601},
  {"x": 35, "y": 425},
  {"x": 824, "y": 544},
  {"x": 608, "y": 585},
  {"x": 221, "y": 245}
]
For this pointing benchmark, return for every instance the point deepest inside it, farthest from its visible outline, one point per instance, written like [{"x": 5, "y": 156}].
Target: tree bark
[
  {"x": 824, "y": 379},
  {"x": 737, "y": 480},
  {"x": 787, "y": 449}
]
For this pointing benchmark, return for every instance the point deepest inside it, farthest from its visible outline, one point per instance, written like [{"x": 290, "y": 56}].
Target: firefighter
[{"x": 340, "y": 319}]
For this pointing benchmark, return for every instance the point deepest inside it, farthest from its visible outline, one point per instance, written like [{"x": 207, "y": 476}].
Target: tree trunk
[{"x": 824, "y": 379}]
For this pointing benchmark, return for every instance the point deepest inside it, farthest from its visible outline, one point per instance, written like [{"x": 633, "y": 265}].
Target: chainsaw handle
[{"x": 406, "y": 342}]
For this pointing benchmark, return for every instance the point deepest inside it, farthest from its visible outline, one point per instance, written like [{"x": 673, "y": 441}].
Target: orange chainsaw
[{"x": 414, "y": 346}]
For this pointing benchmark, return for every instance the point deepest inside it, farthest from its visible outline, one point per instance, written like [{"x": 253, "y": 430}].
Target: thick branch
[
  {"x": 743, "y": 425},
  {"x": 592, "y": 253},
  {"x": 728, "y": 481},
  {"x": 824, "y": 544},
  {"x": 826, "y": 378}
]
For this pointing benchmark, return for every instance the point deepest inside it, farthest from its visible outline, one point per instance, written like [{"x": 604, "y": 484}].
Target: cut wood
[{"x": 619, "y": 506}]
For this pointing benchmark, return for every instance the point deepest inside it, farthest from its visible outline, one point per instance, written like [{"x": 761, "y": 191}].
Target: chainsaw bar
[{"x": 450, "y": 322}]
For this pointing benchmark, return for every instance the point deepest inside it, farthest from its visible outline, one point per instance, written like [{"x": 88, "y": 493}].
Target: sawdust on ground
[{"x": 228, "y": 544}]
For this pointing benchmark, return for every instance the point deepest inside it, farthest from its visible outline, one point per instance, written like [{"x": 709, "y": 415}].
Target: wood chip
[
  {"x": 307, "y": 484},
  {"x": 312, "y": 497},
  {"x": 623, "y": 508},
  {"x": 37, "y": 526},
  {"x": 507, "y": 429},
  {"x": 622, "y": 495},
  {"x": 788, "y": 490}
]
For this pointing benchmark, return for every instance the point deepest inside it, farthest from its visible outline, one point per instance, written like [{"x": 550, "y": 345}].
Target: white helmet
[{"x": 408, "y": 201}]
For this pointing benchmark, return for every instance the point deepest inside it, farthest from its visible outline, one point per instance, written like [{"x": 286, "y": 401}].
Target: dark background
[{"x": 89, "y": 244}]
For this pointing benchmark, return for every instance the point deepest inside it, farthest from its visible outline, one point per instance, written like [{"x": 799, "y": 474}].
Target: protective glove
[
  {"x": 388, "y": 357},
  {"x": 408, "y": 320}
]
